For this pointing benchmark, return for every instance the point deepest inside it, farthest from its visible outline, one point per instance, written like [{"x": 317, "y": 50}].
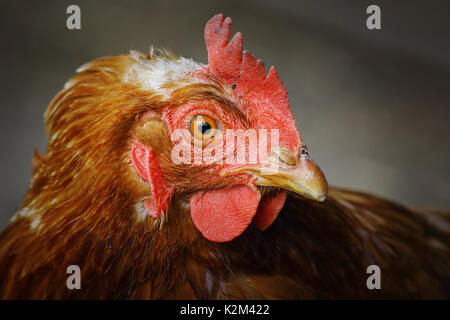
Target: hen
[{"x": 137, "y": 189}]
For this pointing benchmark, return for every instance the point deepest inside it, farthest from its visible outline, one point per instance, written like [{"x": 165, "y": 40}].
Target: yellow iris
[{"x": 203, "y": 127}]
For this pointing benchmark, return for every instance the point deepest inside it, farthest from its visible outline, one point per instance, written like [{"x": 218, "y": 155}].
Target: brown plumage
[{"x": 82, "y": 208}]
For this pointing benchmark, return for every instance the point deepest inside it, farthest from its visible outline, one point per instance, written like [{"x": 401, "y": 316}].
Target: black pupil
[{"x": 204, "y": 127}]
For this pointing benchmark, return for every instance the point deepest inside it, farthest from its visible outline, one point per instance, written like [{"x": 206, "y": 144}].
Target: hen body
[
  {"x": 86, "y": 206},
  {"x": 312, "y": 251}
]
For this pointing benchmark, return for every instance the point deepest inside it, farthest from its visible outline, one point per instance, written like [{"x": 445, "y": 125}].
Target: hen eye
[{"x": 203, "y": 127}]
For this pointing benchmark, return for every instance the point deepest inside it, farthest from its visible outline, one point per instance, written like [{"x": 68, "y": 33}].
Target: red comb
[{"x": 263, "y": 98}]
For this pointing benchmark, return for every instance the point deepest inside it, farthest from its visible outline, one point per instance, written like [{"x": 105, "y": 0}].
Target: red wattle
[
  {"x": 223, "y": 214},
  {"x": 269, "y": 208}
]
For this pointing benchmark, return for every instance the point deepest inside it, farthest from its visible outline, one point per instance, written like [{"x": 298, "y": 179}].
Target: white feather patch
[
  {"x": 153, "y": 74},
  {"x": 29, "y": 214}
]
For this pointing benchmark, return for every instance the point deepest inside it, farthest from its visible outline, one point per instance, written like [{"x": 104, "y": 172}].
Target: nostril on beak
[
  {"x": 288, "y": 157},
  {"x": 304, "y": 150}
]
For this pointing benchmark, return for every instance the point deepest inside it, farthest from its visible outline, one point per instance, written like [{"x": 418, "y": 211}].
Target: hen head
[{"x": 158, "y": 128}]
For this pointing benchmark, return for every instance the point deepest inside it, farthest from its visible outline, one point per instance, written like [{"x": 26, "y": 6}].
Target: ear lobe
[{"x": 146, "y": 164}]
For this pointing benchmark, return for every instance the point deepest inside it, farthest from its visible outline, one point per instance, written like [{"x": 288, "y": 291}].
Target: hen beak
[{"x": 300, "y": 175}]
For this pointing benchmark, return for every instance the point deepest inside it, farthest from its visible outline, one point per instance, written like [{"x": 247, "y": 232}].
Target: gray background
[{"x": 373, "y": 106}]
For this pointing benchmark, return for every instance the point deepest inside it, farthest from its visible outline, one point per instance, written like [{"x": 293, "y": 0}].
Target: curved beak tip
[{"x": 304, "y": 178}]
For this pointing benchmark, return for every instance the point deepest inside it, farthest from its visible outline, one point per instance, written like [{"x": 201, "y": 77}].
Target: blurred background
[{"x": 372, "y": 105}]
